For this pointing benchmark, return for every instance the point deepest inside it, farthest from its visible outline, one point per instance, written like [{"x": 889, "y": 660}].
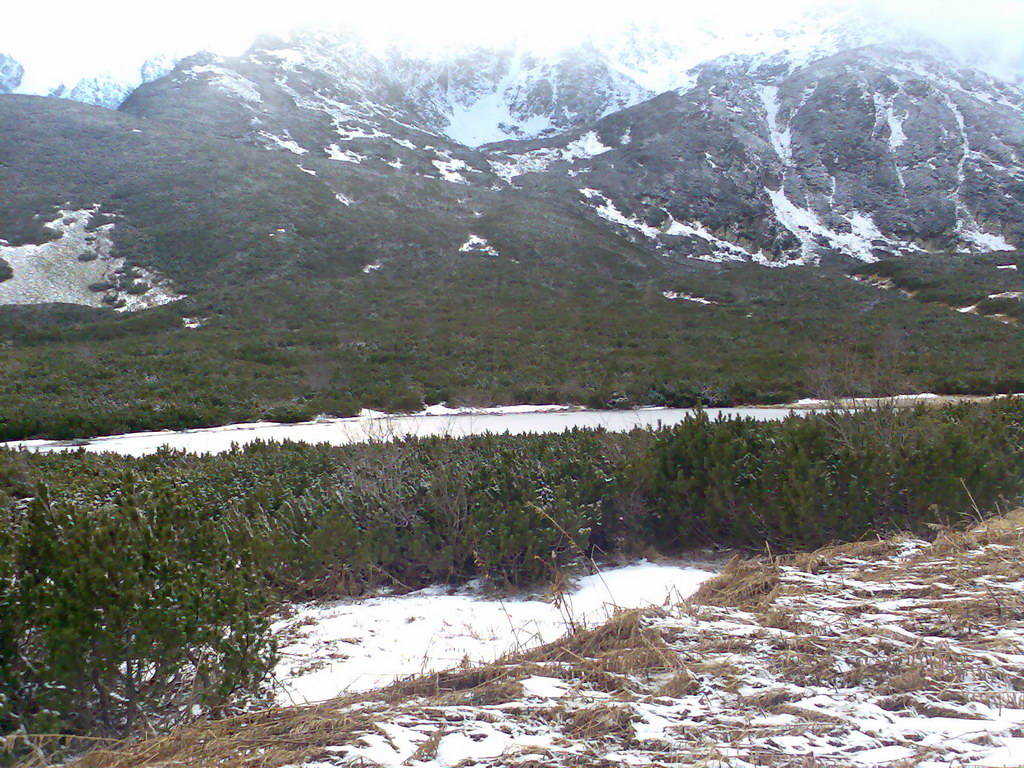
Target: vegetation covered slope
[
  {"x": 477, "y": 331},
  {"x": 991, "y": 285}
]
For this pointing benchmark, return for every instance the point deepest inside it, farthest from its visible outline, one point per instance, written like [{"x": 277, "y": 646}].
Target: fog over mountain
[{"x": 100, "y": 56}]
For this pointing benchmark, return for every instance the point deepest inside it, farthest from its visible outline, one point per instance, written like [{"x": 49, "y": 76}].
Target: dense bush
[
  {"x": 957, "y": 280},
  {"x": 119, "y": 611},
  {"x": 811, "y": 481},
  {"x": 290, "y": 351},
  {"x": 132, "y": 588},
  {"x": 441, "y": 510}
]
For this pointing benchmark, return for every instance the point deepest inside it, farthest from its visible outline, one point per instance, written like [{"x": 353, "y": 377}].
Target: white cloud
[{"x": 62, "y": 38}]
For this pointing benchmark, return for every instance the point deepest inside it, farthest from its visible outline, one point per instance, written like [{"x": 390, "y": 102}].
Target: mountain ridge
[{"x": 785, "y": 157}]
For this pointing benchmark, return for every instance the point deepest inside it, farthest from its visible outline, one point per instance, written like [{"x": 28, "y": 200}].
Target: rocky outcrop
[
  {"x": 863, "y": 154},
  {"x": 11, "y": 73}
]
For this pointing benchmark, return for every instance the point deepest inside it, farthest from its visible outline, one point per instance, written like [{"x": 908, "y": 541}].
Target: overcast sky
[{"x": 61, "y": 39}]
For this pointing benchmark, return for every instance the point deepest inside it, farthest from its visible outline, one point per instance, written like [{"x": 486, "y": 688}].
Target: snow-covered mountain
[
  {"x": 869, "y": 152},
  {"x": 100, "y": 88},
  {"x": 480, "y": 94},
  {"x": 834, "y": 139},
  {"x": 814, "y": 144},
  {"x": 11, "y": 73}
]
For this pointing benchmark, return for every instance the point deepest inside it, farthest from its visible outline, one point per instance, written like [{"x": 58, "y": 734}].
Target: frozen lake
[{"x": 372, "y": 426}]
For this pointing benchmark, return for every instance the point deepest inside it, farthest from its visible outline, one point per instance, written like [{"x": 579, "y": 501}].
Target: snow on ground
[
  {"x": 897, "y": 136},
  {"x": 723, "y": 249},
  {"x": 985, "y": 242},
  {"x": 53, "y": 272},
  {"x": 351, "y": 133},
  {"x": 227, "y": 80},
  {"x": 372, "y": 426},
  {"x": 451, "y": 169},
  {"x": 158, "y": 292},
  {"x": 865, "y": 402},
  {"x": 674, "y": 296},
  {"x": 483, "y": 118},
  {"x": 586, "y": 147},
  {"x": 606, "y": 209},
  {"x": 782, "y": 138},
  {"x": 63, "y": 269},
  {"x": 334, "y": 152},
  {"x": 358, "y": 645},
  {"x": 882, "y": 653},
  {"x": 807, "y": 227},
  {"x": 284, "y": 142},
  {"x": 477, "y": 244}
]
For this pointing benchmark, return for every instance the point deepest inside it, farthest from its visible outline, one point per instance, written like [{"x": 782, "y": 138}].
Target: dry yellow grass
[{"x": 775, "y": 652}]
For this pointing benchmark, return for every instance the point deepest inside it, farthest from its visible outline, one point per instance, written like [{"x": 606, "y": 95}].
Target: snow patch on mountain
[
  {"x": 334, "y": 152},
  {"x": 228, "y": 81},
  {"x": 484, "y": 118},
  {"x": 452, "y": 168},
  {"x": 897, "y": 136},
  {"x": 78, "y": 267},
  {"x": 676, "y": 296},
  {"x": 477, "y": 244},
  {"x": 606, "y": 209},
  {"x": 859, "y": 242},
  {"x": 782, "y": 137},
  {"x": 586, "y": 147},
  {"x": 283, "y": 142},
  {"x": 721, "y": 250}
]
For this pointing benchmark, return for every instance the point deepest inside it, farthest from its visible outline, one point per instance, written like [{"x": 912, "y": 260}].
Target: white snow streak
[
  {"x": 586, "y": 147},
  {"x": 674, "y": 296},
  {"x": 807, "y": 227},
  {"x": 782, "y": 139},
  {"x": 334, "y": 152},
  {"x": 284, "y": 142},
  {"x": 227, "y": 80}
]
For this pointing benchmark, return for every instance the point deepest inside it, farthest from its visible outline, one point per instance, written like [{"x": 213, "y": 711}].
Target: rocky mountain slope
[
  {"x": 317, "y": 153},
  {"x": 103, "y": 89},
  {"x": 867, "y": 153}
]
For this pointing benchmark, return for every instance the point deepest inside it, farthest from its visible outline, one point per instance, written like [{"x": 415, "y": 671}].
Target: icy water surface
[{"x": 377, "y": 426}]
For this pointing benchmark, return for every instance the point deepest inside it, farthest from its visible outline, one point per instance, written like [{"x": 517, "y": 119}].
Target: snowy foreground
[
  {"x": 885, "y": 653},
  {"x": 328, "y": 650}
]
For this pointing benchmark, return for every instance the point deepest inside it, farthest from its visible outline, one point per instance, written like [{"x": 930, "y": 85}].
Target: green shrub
[
  {"x": 809, "y": 481},
  {"x": 138, "y": 586},
  {"x": 137, "y": 608}
]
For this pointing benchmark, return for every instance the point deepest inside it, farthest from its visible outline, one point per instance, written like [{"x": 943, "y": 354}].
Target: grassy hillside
[
  {"x": 991, "y": 284},
  {"x": 478, "y": 331}
]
